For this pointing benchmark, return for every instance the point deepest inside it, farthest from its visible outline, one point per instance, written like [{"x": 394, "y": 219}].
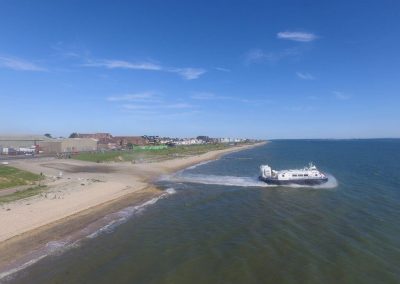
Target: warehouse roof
[{"x": 24, "y": 138}]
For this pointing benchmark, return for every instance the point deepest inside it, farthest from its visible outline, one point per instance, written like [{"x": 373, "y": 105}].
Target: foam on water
[
  {"x": 198, "y": 165},
  {"x": 218, "y": 180},
  {"x": 104, "y": 225},
  {"x": 240, "y": 181},
  {"x": 122, "y": 216}
]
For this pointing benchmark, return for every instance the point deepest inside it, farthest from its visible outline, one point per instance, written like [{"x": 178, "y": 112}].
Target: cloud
[
  {"x": 19, "y": 64},
  {"x": 112, "y": 64},
  {"x": 255, "y": 55},
  {"x": 222, "y": 69},
  {"x": 299, "y": 108},
  {"x": 156, "y": 106},
  {"x": 297, "y": 36},
  {"x": 341, "y": 96},
  {"x": 305, "y": 76},
  {"x": 258, "y": 55},
  {"x": 150, "y": 103},
  {"x": 136, "y": 97},
  {"x": 187, "y": 73},
  {"x": 212, "y": 96},
  {"x": 205, "y": 96}
]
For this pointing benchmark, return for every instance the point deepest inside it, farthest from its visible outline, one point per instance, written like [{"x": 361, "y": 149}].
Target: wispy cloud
[
  {"x": 187, "y": 73},
  {"x": 150, "y": 103},
  {"x": 222, "y": 69},
  {"x": 211, "y": 96},
  {"x": 208, "y": 96},
  {"x": 297, "y": 36},
  {"x": 341, "y": 96},
  {"x": 149, "y": 97},
  {"x": 113, "y": 64},
  {"x": 258, "y": 55},
  {"x": 19, "y": 64},
  {"x": 69, "y": 51},
  {"x": 305, "y": 76},
  {"x": 157, "y": 106},
  {"x": 299, "y": 108}
]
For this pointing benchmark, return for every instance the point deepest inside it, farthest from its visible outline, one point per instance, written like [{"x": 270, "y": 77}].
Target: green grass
[
  {"x": 10, "y": 177},
  {"x": 22, "y": 194},
  {"x": 149, "y": 155}
]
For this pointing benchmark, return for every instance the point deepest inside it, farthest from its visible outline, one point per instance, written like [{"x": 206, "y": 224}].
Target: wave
[
  {"x": 198, "y": 165},
  {"x": 104, "y": 225},
  {"x": 240, "y": 181}
]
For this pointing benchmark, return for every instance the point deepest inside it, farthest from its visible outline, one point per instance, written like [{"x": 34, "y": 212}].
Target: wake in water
[
  {"x": 240, "y": 181},
  {"x": 104, "y": 225}
]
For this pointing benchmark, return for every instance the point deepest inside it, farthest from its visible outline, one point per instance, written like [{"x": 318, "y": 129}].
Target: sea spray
[{"x": 239, "y": 181}]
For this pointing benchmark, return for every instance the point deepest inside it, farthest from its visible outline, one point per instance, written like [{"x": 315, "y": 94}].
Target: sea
[{"x": 217, "y": 223}]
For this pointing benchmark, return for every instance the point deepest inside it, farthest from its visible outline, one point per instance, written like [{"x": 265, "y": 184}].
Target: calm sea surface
[{"x": 219, "y": 224}]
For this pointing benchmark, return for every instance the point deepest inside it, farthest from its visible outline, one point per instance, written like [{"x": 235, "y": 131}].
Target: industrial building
[
  {"x": 69, "y": 145},
  {"x": 21, "y": 141},
  {"x": 20, "y": 144},
  {"x": 98, "y": 136}
]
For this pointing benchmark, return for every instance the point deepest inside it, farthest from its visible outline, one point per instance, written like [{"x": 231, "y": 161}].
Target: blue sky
[{"x": 261, "y": 69}]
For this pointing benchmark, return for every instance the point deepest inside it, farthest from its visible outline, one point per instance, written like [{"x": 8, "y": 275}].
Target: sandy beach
[{"x": 78, "y": 194}]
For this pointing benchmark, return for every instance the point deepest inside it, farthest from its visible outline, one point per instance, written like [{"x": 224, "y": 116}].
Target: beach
[{"x": 79, "y": 193}]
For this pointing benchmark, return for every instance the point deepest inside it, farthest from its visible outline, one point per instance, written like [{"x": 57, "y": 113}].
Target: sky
[{"x": 254, "y": 69}]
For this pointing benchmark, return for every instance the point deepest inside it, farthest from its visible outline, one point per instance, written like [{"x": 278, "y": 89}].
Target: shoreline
[{"x": 17, "y": 245}]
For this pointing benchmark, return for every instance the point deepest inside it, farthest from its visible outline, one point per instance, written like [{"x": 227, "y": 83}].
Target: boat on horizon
[{"x": 307, "y": 176}]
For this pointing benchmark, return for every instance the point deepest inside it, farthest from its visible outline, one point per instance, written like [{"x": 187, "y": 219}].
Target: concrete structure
[{"x": 69, "y": 145}]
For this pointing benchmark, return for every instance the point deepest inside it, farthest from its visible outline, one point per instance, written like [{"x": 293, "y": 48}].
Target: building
[
  {"x": 98, "y": 136},
  {"x": 69, "y": 145},
  {"x": 20, "y": 144},
  {"x": 123, "y": 141},
  {"x": 21, "y": 141},
  {"x": 204, "y": 138},
  {"x": 152, "y": 139}
]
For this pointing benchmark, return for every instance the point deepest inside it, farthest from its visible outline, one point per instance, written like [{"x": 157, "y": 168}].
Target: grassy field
[
  {"x": 138, "y": 155},
  {"x": 22, "y": 194},
  {"x": 10, "y": 177}
]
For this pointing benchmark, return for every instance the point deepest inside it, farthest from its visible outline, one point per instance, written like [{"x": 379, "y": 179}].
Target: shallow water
[{"x": 219, "y": 224}]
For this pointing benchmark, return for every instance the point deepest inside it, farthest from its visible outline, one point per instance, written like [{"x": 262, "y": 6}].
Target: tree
[
  {"x": 73, "y": 135},
  {"x": 48, "y": 135},
  {"x": 129, "y": 146}
]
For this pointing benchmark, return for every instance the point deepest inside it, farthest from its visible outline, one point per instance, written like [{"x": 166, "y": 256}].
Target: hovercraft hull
[{"x": 294, "y": 181}]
